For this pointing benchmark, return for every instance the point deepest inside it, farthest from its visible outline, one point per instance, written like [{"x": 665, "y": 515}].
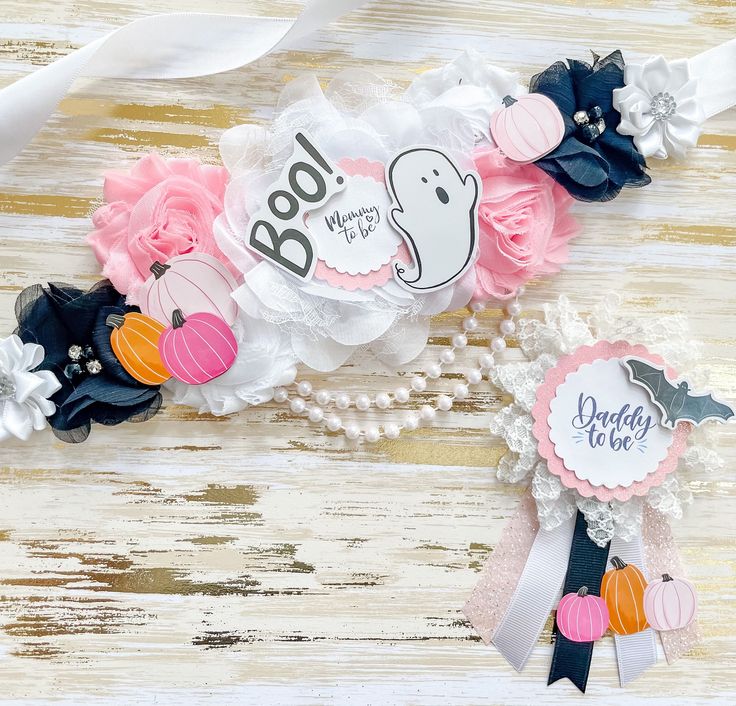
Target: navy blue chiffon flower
[
  {"x": 590, "y": 169},
  {"x": 70, "y": 325}
]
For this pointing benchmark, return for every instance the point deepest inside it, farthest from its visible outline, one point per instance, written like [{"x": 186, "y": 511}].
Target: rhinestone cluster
[
  {"x": 663, "y": 106},
  {"x": 7, "y": 388},
  {"x": 82, "y": 356},
  {"x": 590, "y": 123}
]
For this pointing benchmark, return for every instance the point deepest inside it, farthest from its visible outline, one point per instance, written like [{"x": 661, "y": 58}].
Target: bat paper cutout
[{"x": 674, "y": 399}]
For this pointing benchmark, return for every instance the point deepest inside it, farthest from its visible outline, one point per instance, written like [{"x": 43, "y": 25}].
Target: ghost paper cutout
[{"x": 435, "y": 209}]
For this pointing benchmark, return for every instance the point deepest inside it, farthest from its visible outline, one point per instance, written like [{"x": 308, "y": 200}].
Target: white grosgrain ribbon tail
[
  {"x": 536, "y": 594},
  {"x": 634, "y": 653},
  {"x": 179, "y": 45}
]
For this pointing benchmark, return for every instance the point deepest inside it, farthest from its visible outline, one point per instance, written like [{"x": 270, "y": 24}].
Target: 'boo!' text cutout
[{"x": 278, "y": 231}]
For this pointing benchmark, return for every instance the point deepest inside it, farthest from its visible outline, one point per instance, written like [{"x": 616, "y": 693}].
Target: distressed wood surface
[{"x": 257, "y": 560}]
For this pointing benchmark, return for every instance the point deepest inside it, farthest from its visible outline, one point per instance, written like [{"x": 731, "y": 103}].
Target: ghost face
[
  {"x": 435, "y": 210},
  {"x": 434, "y": 177}
]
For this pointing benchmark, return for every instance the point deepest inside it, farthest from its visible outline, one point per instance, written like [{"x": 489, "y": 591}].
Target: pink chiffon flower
[
  {"x": 161, "y": 208},
  {"x": 524, "y": 225}
]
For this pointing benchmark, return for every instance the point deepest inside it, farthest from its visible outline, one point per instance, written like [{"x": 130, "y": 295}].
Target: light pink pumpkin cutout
[
  {"x": 192, "y": 283},
  {"x": 670, "y": 604},
  {"x": 528, "y": 127}
]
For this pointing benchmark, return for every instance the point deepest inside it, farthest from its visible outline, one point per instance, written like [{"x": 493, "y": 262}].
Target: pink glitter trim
[
  {"x": 492, "y": 594},
  {"x": 662, "y": 556},
  {"x": 603, "y": 350}
]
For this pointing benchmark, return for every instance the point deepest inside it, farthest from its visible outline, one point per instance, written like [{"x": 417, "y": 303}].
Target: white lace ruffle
[
  {"x": 560, "y": 332},
  {"x": 555, "y": 503},
  {"x": 357, "y": 115}
]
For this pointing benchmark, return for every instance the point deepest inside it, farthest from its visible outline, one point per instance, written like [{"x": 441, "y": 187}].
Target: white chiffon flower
[
  {"x": 24, "y": 403},
  {"x": 659, "y": 107},
  {"x": 357, "y": 116},
  {"x": 469, "y": 85},
  {"x": 543, "y": 342},
  {"x": 264, "y": 361}
]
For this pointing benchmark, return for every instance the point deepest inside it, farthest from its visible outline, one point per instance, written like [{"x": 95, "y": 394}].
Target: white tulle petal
[
  {"x": 357, "y": 326},
  {"x": 355, "y": 90},
  {"x": 403, "y": 342},
  {"x": 470, "y": 68},
  {"x": 323, "y": 354},
  {"x": 243, "y": 148},
  {"x": 397, "y": 124}
]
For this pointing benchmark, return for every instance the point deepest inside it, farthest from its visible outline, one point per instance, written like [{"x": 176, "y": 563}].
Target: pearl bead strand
[{"x": 313, "y": 404}]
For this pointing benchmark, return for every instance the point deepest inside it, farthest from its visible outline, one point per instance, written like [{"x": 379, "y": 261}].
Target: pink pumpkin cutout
[
  {"x": 670, "y": 603},
  {"x": 582, "y": 617},
  {"x": 192, "y": 283},
  {"x": 528, "y": 127},
  {"x": 197, "y": 349}
]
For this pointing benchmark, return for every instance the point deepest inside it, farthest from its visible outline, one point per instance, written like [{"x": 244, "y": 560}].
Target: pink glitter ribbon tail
[
  {"x": 500, "y": 575},
  {"x": 661, "y": 556}
]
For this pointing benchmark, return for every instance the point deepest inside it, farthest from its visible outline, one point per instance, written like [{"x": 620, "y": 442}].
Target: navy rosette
[
  {"x": 70, "y": 325},
  {"x": 593, "y": 161}
]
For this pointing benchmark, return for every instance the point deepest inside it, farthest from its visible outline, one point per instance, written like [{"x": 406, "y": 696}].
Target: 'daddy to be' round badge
[{"x": 598, "y": 431}]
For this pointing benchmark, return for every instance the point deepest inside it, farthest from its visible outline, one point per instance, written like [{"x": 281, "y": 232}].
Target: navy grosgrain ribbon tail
[{"x": 586, "y": 567}]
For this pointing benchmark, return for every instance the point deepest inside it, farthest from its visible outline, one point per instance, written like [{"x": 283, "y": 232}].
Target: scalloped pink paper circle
[
  {"x": 375, "y": 171},
  {"x": 603, "y": 350}
]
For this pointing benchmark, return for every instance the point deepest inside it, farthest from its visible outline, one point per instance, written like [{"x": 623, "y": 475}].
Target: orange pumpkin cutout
[
  {"x": 134, "y": 340},
  {"x": 623, "y": 590}
]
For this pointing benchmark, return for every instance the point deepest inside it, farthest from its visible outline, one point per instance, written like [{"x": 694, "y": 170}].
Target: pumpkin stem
[
  {"x": 177, "y": 319},
  {"x": 618, "y": 563},
  {"x": 508, "y": 101},
  {"x": 666, "y": 577},
  {"x": 159, "y": 269},
  {"x": 115, "y": 320},
  {"x": 583, "y": 591}
]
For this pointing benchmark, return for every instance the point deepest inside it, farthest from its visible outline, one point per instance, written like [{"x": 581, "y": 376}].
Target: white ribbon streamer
[
  {"x": 634, "y": 653},
  {"x": 715, "y": 70},
  {"x": 181, "y": 45},
  {"x": 536, "y": 594},
  {"x": 185, "y": 45}
]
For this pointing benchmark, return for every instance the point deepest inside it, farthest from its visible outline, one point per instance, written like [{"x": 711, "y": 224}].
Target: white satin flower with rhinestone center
[
  {"x": 659, "y": 107},
  {"x": 24, "y": 403}
]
